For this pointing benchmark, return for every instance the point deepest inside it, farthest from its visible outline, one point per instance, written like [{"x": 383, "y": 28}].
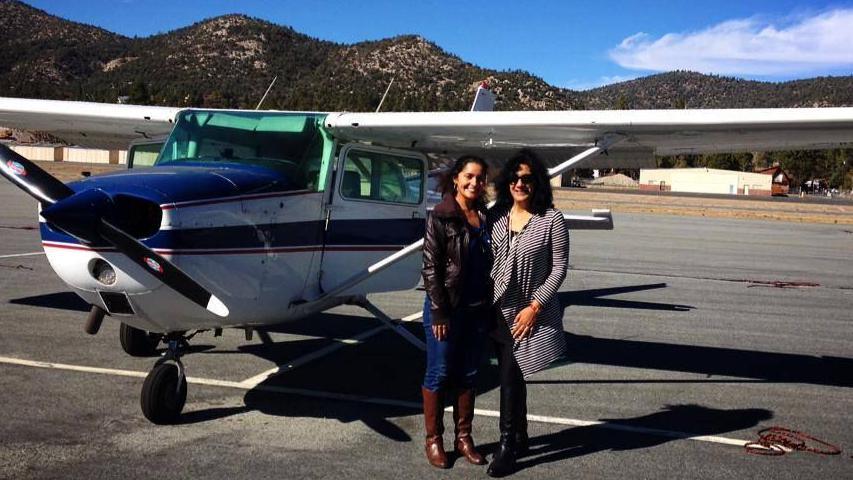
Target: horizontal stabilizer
[{"x": 601, "y": 219}]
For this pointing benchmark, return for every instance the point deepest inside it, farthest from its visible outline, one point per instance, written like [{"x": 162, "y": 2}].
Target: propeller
[{"x": 90, "y": 216}]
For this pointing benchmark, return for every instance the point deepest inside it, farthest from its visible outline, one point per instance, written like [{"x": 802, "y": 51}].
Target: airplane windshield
[{"x": 292, "y": 143}]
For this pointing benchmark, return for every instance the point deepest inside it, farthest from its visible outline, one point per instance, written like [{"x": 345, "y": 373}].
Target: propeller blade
[
  {"x": 161, "y": 268},
  {"x": 30, "y": 178}
]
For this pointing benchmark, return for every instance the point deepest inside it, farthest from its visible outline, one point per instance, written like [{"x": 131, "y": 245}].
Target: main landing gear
[{"x": 164, "y": 392}]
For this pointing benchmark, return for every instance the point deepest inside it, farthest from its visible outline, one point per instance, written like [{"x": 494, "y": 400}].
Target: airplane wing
[
  {"x": 637, "y": 133},
  {"x": 93, "y": 125},
  {"x": 633, "y": 136}
]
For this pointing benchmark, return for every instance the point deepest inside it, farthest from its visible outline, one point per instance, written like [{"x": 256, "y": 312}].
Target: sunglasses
[{"x": 526, "y": 179}]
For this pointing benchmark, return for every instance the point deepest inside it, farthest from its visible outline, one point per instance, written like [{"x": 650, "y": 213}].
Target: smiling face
[
  {"x": 521, "y": 184},
  {"x": 470, "y": 183}
]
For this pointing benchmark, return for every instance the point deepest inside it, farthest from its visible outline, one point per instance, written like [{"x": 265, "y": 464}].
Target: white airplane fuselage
[{"x": 255, "y": 238}]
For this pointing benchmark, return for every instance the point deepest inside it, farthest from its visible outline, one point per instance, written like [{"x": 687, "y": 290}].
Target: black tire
[
  {"x": 136, "y": 342},
  {"x": 162, "y": 400}
]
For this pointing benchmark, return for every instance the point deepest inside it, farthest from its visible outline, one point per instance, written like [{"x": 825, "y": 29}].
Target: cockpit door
[{"x": 377, "y": 207}]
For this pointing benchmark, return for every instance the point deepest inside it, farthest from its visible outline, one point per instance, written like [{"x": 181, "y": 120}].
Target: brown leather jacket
[{"x": 445, "y": 251}]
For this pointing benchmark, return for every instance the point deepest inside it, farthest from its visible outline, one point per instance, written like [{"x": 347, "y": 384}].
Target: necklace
[{"x": 521, "y": 217}]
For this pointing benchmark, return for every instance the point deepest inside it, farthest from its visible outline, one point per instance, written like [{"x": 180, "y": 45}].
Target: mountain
[
  {"x": 695, "y": 90},
  {"x": 229, "y": 61},
  {"x": 41, "y": 51}
]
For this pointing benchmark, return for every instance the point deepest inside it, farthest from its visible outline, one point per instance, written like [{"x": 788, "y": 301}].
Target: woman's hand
[
  {"x": 524, "y": 323},
  {"x": 440, "y": 332}
]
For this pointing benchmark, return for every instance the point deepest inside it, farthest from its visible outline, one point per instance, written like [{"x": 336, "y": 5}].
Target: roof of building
[{"x": 775, "y": 171}]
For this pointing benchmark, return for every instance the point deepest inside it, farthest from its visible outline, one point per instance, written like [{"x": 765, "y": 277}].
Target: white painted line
[
  {"x": 413, "y": 317},
  {"x": 73, "y": 368},
  {"x": 616, "y": 426},
  {"x": 381, "y": 401},
  {"x": 21, "y": 254},
  {"x": 286, "y": 367}
]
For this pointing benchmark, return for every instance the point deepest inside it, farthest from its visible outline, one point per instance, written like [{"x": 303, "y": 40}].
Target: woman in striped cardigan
[{"x": 530, "y": 246}]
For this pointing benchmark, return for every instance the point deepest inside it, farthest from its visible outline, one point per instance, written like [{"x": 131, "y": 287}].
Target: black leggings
[{"x": 513, "y": 409}]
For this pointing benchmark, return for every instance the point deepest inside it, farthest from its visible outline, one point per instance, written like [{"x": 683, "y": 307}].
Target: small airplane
[{"x": 253, "y": 218}]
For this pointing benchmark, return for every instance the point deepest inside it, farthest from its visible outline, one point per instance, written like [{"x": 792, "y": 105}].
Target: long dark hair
[
  {"x": 542, "y": 198},
  {"x": 446, "y": 186}
]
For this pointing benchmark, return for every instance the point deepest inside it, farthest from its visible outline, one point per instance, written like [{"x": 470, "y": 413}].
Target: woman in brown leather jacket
[{"x": 456, "y": 314}]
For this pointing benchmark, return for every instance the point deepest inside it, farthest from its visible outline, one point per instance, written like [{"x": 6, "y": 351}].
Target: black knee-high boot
[
  {"x": 503, "y": 462},
  {"x": 513, "y": 393},
  {"x": 521, "y": 438}
]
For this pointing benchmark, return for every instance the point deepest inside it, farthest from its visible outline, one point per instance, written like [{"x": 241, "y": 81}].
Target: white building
[
  {"x": 70, "y": 154},
  {"x": 706, "y": 180}
]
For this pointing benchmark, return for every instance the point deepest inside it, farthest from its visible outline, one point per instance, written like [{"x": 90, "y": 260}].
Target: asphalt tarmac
[{"x": 683, "y": 345}]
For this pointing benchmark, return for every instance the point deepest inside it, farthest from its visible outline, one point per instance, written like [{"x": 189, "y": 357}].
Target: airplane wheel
[
  {"x": 136, "y": 342},
  {"x": 162, "y": 399}
]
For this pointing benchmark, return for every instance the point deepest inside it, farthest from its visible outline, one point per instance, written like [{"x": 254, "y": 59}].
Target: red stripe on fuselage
[{"x": 72, "y": 246}]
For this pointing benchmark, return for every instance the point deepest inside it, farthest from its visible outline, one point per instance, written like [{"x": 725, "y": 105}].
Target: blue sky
[{"x": 569, "y": 44}]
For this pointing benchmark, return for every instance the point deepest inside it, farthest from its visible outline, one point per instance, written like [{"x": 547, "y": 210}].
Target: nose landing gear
[
  {"x": 138, "y": 343},
  {"x": 164, "y": 391}
]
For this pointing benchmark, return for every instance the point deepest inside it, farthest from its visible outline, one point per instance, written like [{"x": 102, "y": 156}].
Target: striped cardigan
[{"x": 531, "y": 267}]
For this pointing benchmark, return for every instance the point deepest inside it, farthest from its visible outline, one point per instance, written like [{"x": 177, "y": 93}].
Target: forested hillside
[{"x": 229, "y": 61}]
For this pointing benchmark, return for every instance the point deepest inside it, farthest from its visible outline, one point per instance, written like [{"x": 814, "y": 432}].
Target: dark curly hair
[
  {"x": 542, "y": 198},
  {"x": 446, "y": 185}
]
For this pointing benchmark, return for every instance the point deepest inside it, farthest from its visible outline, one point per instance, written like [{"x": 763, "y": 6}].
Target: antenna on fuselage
[
  {"x": 385, "y": 94},
  {"x": 266, "y": 93}
]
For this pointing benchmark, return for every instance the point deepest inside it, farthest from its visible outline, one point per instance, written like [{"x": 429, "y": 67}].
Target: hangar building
[{"x": 706, "y": 180}]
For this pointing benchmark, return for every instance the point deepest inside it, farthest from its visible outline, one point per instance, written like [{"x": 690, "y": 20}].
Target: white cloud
[{"x": 750, "y": 46}]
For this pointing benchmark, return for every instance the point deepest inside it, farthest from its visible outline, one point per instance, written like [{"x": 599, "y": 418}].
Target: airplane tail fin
[{"x": 484, "y": 99}]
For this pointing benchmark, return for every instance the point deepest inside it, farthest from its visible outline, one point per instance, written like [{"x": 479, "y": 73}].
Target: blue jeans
[{"x": 454, "y": 362}]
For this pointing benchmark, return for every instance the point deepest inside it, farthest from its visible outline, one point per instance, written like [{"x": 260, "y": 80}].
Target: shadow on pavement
[
  {"x": 592, "y": 298},
  {"x": 710, "y": 361},
  {"x": 60, "y": 301},
  {"x": 615, "y": 434}
]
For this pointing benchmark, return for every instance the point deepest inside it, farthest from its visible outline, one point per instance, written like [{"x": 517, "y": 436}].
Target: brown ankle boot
[
  {"x": 463, "y": 417},
  {"x": 434, "y": 421}
]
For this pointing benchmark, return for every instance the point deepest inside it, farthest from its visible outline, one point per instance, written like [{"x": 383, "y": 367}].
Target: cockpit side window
[{"x": 382, "y": 177}]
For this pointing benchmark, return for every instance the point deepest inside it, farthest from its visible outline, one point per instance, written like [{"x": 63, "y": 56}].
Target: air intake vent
[
  {"x": 116, "y": 303},
  {"x": 137, "y": 216}
]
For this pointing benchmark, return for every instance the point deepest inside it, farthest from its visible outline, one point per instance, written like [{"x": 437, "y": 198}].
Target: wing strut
[
  {"x": 333, "y": 297},
  {"x": 375, "y": 268},
  {"x": 601, "y": 145},
  {"x": 397, "y": 327},
  {"x": 600, "y": 219}
]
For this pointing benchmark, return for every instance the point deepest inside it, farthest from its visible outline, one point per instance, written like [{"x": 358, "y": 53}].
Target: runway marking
[
  {"x": 382, "y": 401},
  {"x": 21, "y": 254}
]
